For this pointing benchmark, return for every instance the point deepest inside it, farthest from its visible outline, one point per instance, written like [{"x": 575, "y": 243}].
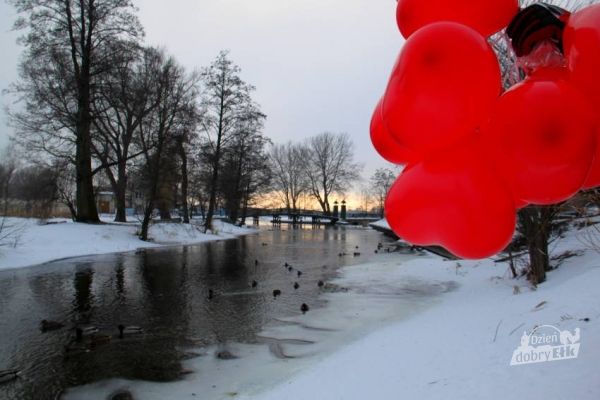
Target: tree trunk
[
  {"x": 538, "y": 257},
  {"x": 146, "y": 220},
  {"x": 85, "y": 200},
  {"x": 184, "y": 184},
  {"x": 246, "y": 199},
  {"x": 120, "y": 214},
  {"x": 212, "y": 200},
  {"x": 536, "y": 224},
  {"x": 152, "y": 193},
  {"x": 121, "y": 193}
]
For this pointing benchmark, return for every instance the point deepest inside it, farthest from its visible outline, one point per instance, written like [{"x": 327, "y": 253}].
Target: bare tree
[
  {"x": 223, "y": 100},
  {"x": 290, "y": 180},
  {"x": 243, "y": 161},
  {"x": 123, "y": 101},
  {"x": 330, "y": 166},
  {"x": 380, "y": 183},
  {"x": 68, "y": 48},
  {"x": 176, "y": 93}
]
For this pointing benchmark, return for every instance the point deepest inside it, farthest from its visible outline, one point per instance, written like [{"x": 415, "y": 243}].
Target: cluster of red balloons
[{"x": 473, "y": 153}]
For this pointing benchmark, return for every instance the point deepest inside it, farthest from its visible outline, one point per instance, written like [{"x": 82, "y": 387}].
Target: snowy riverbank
[
  {"x": 462, "y": 347},
  {"x": 420, "y": 328},
  {"x": 33, "y": 243}
]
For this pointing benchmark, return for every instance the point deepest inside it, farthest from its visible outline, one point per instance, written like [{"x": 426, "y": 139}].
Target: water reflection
[{"x": 165, "y": 292}]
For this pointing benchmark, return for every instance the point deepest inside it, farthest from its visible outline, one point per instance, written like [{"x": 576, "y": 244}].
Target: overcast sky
[{"x": 317, "y": 65}]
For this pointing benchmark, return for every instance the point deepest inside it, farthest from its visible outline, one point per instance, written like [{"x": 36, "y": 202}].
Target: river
[{"x": 165, "y": 292}]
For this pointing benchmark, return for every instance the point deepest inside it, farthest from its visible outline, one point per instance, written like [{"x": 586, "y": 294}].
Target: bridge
[
  {"x": 309, "y": 217},
  {"x": 293, "y": 217}
]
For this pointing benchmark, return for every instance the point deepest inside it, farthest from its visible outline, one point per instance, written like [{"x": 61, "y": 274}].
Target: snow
[
  {"x": 410, "y": 327},
  {"x": 382, "y": 223},
  {"x": 35, "y": 243}
]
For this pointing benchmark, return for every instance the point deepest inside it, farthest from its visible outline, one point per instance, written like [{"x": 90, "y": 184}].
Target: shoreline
[{"x": 63, "y": 239}]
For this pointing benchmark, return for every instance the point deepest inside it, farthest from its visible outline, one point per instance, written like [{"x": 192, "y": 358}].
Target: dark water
[{"x": 165, "y": 292}]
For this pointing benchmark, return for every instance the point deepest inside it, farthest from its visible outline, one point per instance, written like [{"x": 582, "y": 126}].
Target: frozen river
[{"x": 196, "y": 307}]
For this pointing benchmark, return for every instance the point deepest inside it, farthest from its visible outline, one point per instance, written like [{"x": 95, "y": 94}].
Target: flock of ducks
[
  {"x": 86, "y": 338},
  {"x": 89, "y": 337},
  {"x": 304, "y": 308}
]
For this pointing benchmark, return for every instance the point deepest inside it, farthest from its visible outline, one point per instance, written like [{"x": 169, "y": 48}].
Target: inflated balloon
[
  {"x": 475, "y": 155},
  {"x": 441, "y": 89},
  {"x": 384, "y": 142},
  {"x": 582, "y": 50},
  {"x": 485, "y": 16},
  {"x": 453, "y": 200},
  {"x": 582, "y": 45},
  {"x": 542, "y": 135}
]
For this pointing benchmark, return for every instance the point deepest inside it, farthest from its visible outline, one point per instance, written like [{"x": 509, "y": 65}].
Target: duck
[
  {"x": 304, "y": 308},
  {"x": 129, "y": 330},
  {"x": 255, "y": 262},
  {"x": 320, "y": 284},
  {"x": 276, "y": 292},
  {"x": 290, "y": 269},
  {"x": 254, "y": 284},
  {"x": 286, "y": 264},
  {"x": 356, "y": 254},
  {"x": 8, "y": 375},
  {"x": 299, "y": 273},
  {"x": 211, "y": 294},
  {"x": 80, "y": 333},
  {"x": 296, "y": 285},
  {"x": 46, "y": 326},
  {"x": 225, "y": 355}
]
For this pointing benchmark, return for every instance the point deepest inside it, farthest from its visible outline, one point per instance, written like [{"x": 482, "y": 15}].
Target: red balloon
[
  {"x": 542, "y": 138},
  {"x": 442, "y": 87},
  {"x": 582, "y": 50},
  {"x": 453, "y": 200},
  {"x": 384, "y": 142},
  {"x": 485, "y": 16}
]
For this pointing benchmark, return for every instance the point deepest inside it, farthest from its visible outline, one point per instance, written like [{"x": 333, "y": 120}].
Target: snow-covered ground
[
  {"x": 461, "y": 348},
  {"x": 382, "y": 223},
  {"x": 35, "y": 243},
  {"x": 457, "y": 345}
]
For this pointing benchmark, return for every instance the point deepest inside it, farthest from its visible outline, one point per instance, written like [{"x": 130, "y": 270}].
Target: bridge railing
[
  {"x": 285, "y": 211},
  {"x": 308, "y": 213}
]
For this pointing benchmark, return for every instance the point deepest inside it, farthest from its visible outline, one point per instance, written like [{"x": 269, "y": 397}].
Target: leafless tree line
[
  {"x": 97, "y": 106},
  {"x": 319, "y": 167}
]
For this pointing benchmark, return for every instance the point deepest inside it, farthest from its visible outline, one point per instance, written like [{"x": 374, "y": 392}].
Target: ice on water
[{"x": 364, "y": 298}]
